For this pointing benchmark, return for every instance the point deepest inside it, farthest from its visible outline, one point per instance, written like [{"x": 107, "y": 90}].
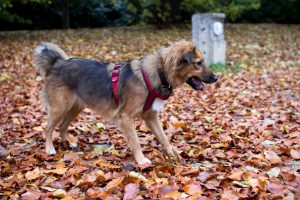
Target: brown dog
[{"x": 72, "y": 84}]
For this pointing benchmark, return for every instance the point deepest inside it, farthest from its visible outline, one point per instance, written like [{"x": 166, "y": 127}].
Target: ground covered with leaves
[{"x": 239, "y": 138}]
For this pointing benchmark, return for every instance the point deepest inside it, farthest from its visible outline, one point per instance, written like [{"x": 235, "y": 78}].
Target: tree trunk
[
  {"x": 175, "y": 10},
  {"x": 65, "y": 14}
]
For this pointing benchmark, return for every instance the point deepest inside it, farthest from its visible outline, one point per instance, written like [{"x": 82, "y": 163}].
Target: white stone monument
[{"x": 208, "y": 35}]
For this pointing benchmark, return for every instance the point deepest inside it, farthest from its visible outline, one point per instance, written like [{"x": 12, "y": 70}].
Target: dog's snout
[
  {"x": 211, "y": 78},
  {"x": 214, "y": 78}
]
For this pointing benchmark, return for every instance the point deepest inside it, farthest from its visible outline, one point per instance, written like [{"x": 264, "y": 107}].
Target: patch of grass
[
  {"x": 219, "y": 67},
  {"x": 226, "y": 68}
]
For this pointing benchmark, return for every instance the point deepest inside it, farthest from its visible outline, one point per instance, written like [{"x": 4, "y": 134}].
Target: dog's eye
[{"x": 200, "y": 63}]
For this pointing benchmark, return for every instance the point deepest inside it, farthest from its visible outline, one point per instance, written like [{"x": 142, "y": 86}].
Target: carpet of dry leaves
[{"x": 239, "y": 139}]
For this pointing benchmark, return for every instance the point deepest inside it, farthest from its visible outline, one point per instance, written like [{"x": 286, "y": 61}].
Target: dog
[{"x": 143, "y": 86}]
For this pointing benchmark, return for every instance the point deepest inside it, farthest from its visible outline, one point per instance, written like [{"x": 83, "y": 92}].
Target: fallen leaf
[
  {"x": 38, "y": 128},
  {"x": 229, "y": 195},
  {"x": 77, "y": 170},
  {"x": 131, "y": 191},
  {"x": 114, "y": 183},
  {"x": 272, "y": 157},
  {"x": 30, "y": 195},
  {"x": 94, "y": 193},
  {"x": 208, "y": 119},
  {"x": 138, "y": 175},
  {"x": 173, "y": 195},
  {"x": 275, "y": 188},
  {"x": 31, "y": 175},
  {"x": 205, "y": 175},
  {"x": 143, "y": 127},
  {"x": 60, "y": 171},
  {"x": 194, "y": 189},
  {"x": 274, "y": 172},
  {"x": 59, "y": 193},
  {"x": 49, "y": 189},
  {"x": 287, "y": 176},
  {"x": 236, "y": 174},
  {"x": 111, "y": 166},
  {"x": 295, "y": 154},
  {"x": 16, "y": 121},
  {"x": 240, "y": 183}
]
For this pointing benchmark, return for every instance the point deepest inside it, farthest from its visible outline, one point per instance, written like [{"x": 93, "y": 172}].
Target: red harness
[
  {"x": 114, "y": 80},
  {"x": 163, "y": 93}
]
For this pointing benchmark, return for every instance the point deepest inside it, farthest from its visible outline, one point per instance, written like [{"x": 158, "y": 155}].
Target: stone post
[{"x": 208, "y": 35}]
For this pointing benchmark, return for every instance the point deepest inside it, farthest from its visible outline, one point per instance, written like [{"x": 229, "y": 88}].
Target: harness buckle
[{"x": 165, "y": 90}]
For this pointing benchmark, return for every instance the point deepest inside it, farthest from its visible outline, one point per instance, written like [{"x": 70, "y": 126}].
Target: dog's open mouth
[{"x": 195, "y": 83}]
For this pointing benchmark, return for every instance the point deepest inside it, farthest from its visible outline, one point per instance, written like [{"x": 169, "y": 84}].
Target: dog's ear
[{"x": 188, "y": 57}]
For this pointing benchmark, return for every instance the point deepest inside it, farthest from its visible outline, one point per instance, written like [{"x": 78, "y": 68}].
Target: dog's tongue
[{"x": 195, "y": 83}]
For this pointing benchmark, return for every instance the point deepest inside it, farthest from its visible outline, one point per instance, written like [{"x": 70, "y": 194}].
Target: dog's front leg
[
  {"x": 152, "y": 121},
  {"x": 127, "y": 127}
]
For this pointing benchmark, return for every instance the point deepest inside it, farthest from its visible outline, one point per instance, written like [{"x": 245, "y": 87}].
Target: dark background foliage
[{"x": 55, "y": 14}]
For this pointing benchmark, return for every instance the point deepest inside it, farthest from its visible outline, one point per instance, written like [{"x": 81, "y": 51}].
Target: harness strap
[
  {"x": 114, "y": 79},
  {"x": 163, "y": 93},
  {"x": 162, "y": 77}
]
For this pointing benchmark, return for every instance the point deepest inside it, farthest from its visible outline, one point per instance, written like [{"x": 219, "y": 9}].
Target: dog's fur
[{"x": 72, "y": 84}]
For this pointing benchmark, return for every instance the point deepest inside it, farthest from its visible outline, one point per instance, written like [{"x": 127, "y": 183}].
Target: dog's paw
[
  {"x": 144, "y": 161},
  {"x": 73, "y": 141},
  {"x": 50, "y": 150},
  {"x": 73, "y": 145},
  {"x": 174, "y": 154}
]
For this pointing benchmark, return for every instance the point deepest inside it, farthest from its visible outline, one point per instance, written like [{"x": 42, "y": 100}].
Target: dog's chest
[{"x": 158, "y": 104}]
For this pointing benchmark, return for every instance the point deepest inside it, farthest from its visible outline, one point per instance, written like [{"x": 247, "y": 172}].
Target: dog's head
[{"x": 185, "y": 63}]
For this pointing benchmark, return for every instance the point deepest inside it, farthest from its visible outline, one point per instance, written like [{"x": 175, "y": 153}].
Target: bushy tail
[{"x": 45, "y": 55}]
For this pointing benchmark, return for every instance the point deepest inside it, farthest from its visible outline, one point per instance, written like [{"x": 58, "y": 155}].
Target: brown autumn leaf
[
  {"x": 38, "y": 128},
  {"x": 104, "y": 164},
  {"x": 87, "y": 180},
  {"x": 193, "y": 188},
  {"x": 275, "y": 188},
  {"x": 173, "y": 195},
  {"x": 272, "y": 157},
  {"x": 70, "y": 156},
  {"x": 143, "y": 127},
  {"x": 114, "y": 183},
  {"x": 131, "y": 191},
  {"x": 59, "y": 193},
  {"x": 163, "y": 190},
  {"x": 31, "y": 195},
  {"x": 77, "y": 170},
  {"x": 236, "y": 174},
  {"x": 94, "y": 193},
  {"x": 49, "y": 189},
  {"x": 31, "y": 175},
  {"x": 287, "y": 176},
  {"x": 295, "y": 154},
  {"x": 59, "y": 171},
  {"x": 205, "y": 175},
  {"x": 229, "y": 194}
]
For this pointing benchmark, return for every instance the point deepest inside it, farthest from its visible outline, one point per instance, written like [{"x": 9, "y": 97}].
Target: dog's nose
[{"x": 214, "y": 78}]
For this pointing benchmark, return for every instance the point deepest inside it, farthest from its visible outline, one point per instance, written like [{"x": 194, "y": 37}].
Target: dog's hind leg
[
  {"x": 152, "y": 121},
  {"x": 54, "y": 117},
  {"x": 127, "y": 127},
  {"x": 67, "y": 119},
  {"x": 58, "y": 103}
]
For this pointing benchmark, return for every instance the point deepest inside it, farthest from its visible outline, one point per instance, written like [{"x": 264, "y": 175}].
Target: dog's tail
[{"x": 46, "y": 55}]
